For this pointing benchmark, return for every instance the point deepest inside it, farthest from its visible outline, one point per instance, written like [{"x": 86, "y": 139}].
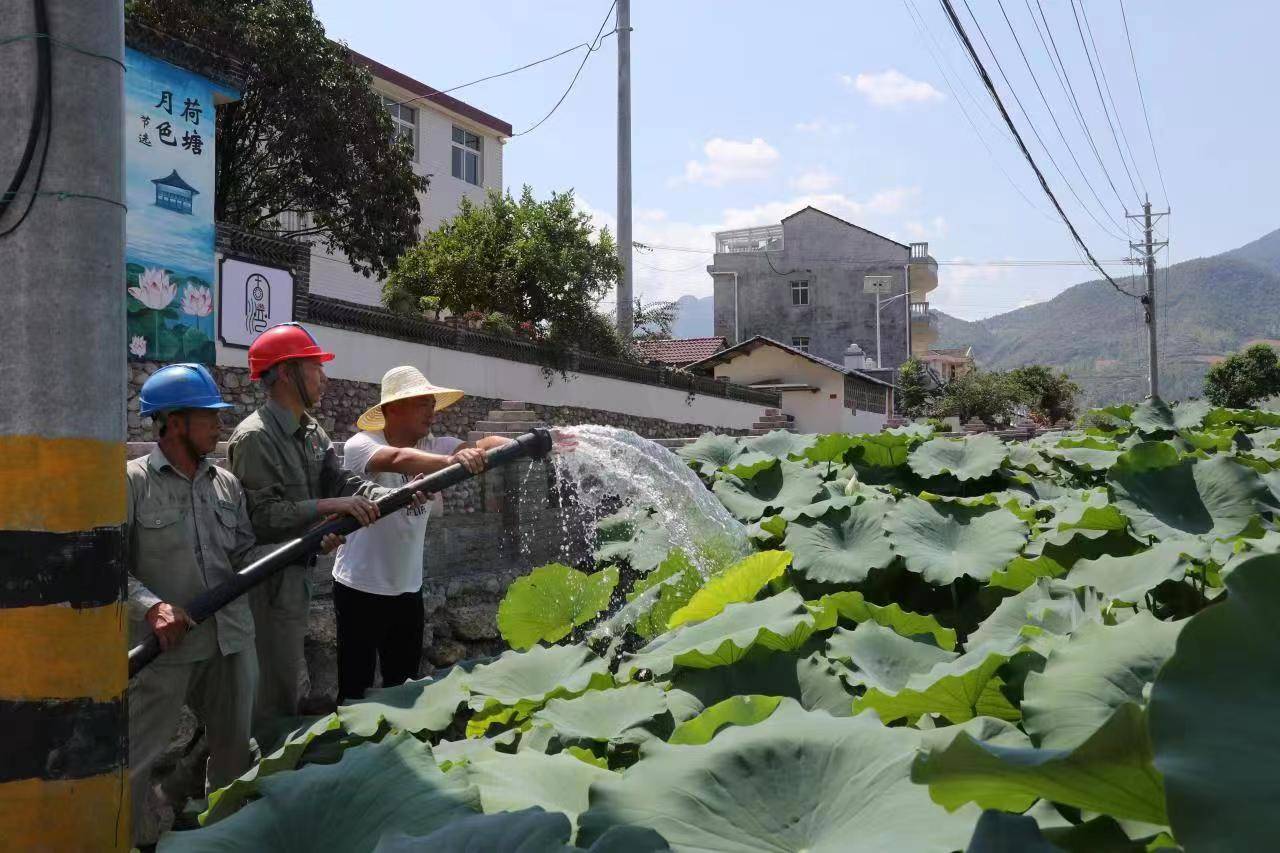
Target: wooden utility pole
[
  {"x": 63, "y": 732},
  {"x": 1147, "y": 249}
]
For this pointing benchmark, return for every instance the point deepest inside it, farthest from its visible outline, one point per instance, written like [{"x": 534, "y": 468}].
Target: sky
[{"x": 744, "y": 111}]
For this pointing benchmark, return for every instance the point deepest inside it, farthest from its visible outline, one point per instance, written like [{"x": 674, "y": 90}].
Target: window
[
  {"x": 466, "y": 156},
  {"x": 801, "y": 342},
  {"x": 800, "y": 292},
  {"x": 405, "y": 119}
]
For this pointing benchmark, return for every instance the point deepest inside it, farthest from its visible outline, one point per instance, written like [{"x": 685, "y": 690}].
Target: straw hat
[{"x": 401, "y": 383}]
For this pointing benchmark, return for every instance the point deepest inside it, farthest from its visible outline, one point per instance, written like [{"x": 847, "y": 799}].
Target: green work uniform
[
  {"x": 287, "y": 465},
  {"x": 185, "y": 536}
]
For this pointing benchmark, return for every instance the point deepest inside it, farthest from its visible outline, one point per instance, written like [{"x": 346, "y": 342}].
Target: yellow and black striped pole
[{"x": 63, "y": 732}]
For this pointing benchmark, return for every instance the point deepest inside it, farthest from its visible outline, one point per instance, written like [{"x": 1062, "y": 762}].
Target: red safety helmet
[{"x": 281, "y": 343}]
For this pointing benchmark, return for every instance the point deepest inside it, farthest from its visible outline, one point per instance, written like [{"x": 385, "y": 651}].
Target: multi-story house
[
  {"x": 457, "y": 145},
  {"x": 812, "y": 282}
]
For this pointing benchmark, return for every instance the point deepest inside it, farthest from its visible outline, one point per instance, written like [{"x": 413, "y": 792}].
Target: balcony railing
[
  {"x": 765, "y": 239},
  {"x": 919, "y": 251},
  {"x": 920, "y": 313}
]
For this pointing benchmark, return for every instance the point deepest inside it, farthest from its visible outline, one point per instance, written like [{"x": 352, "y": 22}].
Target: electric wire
[
  {"x": 1106, "y": 85},
  {"x": 591, "y": 48},
  {"x": 1105, "y": 112},
  {"x": 41, "y": 118},
  {"x": 1146, "y": 116},
  {"x": 1031, "y": 124},
  {"x": 1044, "y": 184},
  {"x": 1061, "y": 135}
]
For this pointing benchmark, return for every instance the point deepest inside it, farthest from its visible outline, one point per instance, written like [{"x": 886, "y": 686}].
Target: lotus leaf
[
  {"x": 710, "y": 452},
  {"x": 734, "y": 711},
  {"x": 526, "y": 779},
  {"x": 830, "y": 448},
  {"x": 613, "y": 716},
  {"x": 882, "y": 658},
  {"x": 1038, "y": 616},
  {"x": 1129, "y": 578},
  {"x": 549, "y": 602},
  {"x": 944, "y": 542},
  {"x": 969, "y": 458},
  {"x": 425, "y": 705},
  {"x": 528, "y": 831},
  {"x": 1169, "y": 499},
  {"x": 958, "y": 690},
  {"x": 784, "y": 485},
  {"x": 852, "y": 606},
  {"x": 843, "y": 545},
  {"x": 533, "y": 677},
  {"x": 797, "y": 781},
  {"x": 1023, "y": 572},
  {"x": 670, "y": 587},
  {"x": 780, "y": 443},
  {"x": 750, "y": 463},
  {"x": 1215, "y": 739},
  {"x": 740, "y": 582}
]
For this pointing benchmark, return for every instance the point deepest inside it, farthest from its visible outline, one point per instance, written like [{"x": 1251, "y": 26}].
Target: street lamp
[{"x": 878, "y": 284}]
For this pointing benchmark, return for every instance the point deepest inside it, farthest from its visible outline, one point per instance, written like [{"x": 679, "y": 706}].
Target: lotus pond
[{"x": 906, "y": 642}]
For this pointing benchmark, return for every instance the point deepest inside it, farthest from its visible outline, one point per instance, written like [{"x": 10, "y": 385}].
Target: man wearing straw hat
[{"x": 377, "y": 590}]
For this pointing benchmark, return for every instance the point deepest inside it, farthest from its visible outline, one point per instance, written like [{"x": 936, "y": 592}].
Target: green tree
[
  {"x": 1051, "y": 396},
  {"x": 307, "y": 149},
  {"x": 535, "y": 261},
  {"x": 654, "y": 320},
  {"x": 990, "y": 396},
  {"x": 1244, "y": 378},
  {"x": 914, "y": 388}
]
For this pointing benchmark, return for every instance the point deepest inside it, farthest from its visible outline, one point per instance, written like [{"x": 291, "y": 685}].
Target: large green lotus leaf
[
  {"x": 1096, "y": 671},
  {"x": 734, "y": 711},
  {"x": 778, "y": 487},
  {"x": 799, "y": 781},
  {"x": 225, "y": 801},
  {"x": 425, "y": 705},
  {"x": 843, "y": 545},
  {"x": 375, "y": 788},
  {"x": 1001, "y": 832},
  {"x": 750, "y": 463},
  {"x": 1129, "y": 578},
  {"x": 944, "y": 542},
  {"x": 1037, "y": 617},
  {"x": 824, "y": 685},
  {"x": 613, "y": 716},
  {"x": 1086, "y": 457},
  {"x": 667, "y": 589},
  {"x": 1024, "y": 457},
  {"x": 1092, "y": 514},
  {"x": 1219, "y": 440},
  {"x": 451, "y": 753},
  {"x": 780, "y": 622},
  {"x": 1153, "y": 415},
  {"x": 511, "y": 782},
  {"x": 1211, "y": 717},
  {"x": 710, "y": 452},
  {"x": 780, "y": 443},
  {"x": 533, "y": 677},
  {"x": 1110, "y": 773},
  {"x": 882, "y": 658},
  {"x": 1216, "y": 496},
  {"x": 830, "y": 448},
  {"x": 740, "y": 582},
  {"x": 1244, "y": 417},
  {"x": 549, "y": 602},
  {"x": 970, "y": 458},
  {"x": 852, "y": 606},
  {"x": 1023, "y": 572},
  {"x": 968, "y": 686},
  {"x": 528, "y": 831},
  {"x": 822, "y": 507},
  {"x": 886, "y": 449},
  {"x": 645, "y": 549},
  {"x": 812, "y": 680}
]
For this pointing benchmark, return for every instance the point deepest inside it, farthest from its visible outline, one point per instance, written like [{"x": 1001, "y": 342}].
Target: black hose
[
  {"x": 533, "y": 445},
  {"x": 41, "y": 114}
]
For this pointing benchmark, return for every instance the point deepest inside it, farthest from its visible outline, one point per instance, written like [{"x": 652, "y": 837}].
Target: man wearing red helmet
[{"x": 292, "y": 479}]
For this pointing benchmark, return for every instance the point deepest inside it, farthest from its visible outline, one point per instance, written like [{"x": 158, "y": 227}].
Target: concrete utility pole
[
  {"x": 626, "y": 305},
  {"x": 1148, "y": 247},
  {"x": 63, "y": 734}
]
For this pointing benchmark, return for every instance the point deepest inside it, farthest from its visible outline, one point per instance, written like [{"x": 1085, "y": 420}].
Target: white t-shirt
[{"x": 386, "y": 559}]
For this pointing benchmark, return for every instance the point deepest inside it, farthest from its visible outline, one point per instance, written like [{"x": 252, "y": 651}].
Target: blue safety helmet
[{"x": 180, "y": 386}]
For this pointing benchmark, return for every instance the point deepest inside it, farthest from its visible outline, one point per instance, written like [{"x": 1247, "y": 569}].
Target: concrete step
[
  {"x": 673, "y": 443},
  {"x": 521, "y": 415},
  {"x": 507, "y": 426},
  {"x": 781, "y": 422},
  {"x": 513, "y": 406},
  {"x": 772, "y": 412}
]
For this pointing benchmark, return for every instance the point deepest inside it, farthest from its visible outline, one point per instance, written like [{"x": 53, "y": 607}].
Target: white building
[{"x": 457, "y": 145}]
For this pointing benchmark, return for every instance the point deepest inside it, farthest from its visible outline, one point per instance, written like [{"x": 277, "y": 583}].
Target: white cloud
[
  {"x": 732, "y": 161},
  {"x": 824, "y": 126},
  {"x": 892, "y": 88},
  {"x": 815, "y": 181},
  {"x": 868, "y": 213},
  {"x": 931, "y": 230}
]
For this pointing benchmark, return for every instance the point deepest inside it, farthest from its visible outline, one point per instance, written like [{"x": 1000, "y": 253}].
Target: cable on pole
[
  {"x": 591, "y": 48},
  {"x": 1146, "y": 116},
  {"x": 1044, "y": 184}
]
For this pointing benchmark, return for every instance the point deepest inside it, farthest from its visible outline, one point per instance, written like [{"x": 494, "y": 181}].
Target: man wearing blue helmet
[{"x": 188, "y": 530}]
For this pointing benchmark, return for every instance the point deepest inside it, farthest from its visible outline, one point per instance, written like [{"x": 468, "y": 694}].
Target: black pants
[{"x": 386, "y": 629}]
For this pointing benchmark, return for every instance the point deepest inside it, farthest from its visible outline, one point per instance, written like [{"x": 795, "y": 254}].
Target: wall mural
[{"x": 169, "y": 230}]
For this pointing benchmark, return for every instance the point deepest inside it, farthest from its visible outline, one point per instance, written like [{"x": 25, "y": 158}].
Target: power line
[
  {"x": 1146, "y": 116},
  {"x": 1061, "y": 135},
  {"x": 1102, "y": 70},
  {"x": 991, "y": 90},
  {"x": 1064, "y": 80},
  {"x": 591, "y": 48},
  {"x": 1031, "y": 124},
  {"x": 1105, "y": 112},
  {"x": 923, "y": 29}
]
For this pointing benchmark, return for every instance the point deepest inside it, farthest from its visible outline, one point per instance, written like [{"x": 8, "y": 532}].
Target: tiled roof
[
  {"x": 680, "y": 350},
  {"x": 760, "y": 340},
  {"x": 422, "y": 90}
]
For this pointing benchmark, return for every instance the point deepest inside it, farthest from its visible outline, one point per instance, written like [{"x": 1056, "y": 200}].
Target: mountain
[
  {"x": 694, "y": 317},
  {"x": 1206, "y": 308}
]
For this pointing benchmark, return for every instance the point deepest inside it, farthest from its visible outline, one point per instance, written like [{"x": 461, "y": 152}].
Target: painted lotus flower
[
  {"x": 197, "y": 300},
  {"x": 138, "y": 345},
  {"x": 154, "y": 289}
]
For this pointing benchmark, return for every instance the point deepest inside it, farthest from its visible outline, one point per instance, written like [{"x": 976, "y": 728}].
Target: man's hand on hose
[
  {"x": 358, "y": 507},
  {"x": 169, "y": 623},
  {"x": 470, "y": 458},
  {"x": 420, "y": 499},
  {"x": 331, "y": 541}
]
